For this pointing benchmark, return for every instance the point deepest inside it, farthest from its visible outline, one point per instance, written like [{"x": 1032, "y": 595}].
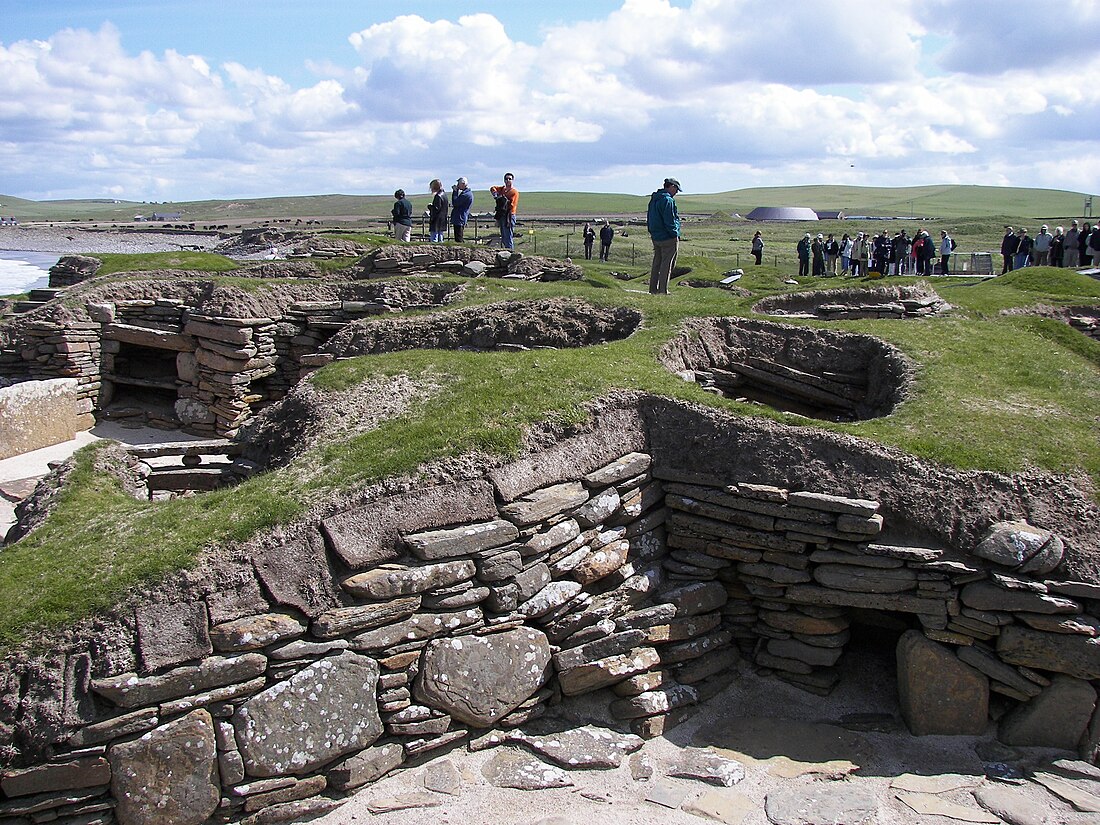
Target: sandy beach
[{"x": 70, "y": 240}]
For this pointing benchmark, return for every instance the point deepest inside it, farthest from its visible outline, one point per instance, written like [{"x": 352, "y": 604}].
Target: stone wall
[
  {"x": 270, "y": 686},
  {"x": 35, "y": 414}
]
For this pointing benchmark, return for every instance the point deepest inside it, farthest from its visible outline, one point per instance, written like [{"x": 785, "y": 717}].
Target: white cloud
[{"x": 730, "y": 92}]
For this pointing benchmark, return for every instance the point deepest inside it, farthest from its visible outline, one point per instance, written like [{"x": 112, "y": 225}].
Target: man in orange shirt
[{"x": 507, "y": 200}]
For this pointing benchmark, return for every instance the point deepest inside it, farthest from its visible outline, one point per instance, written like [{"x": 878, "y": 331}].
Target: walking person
[
  {"x": 588, "y": 234},
  {"x": 607, "y": 235},
  {"x": 507, "y": 205},
  {"x": 663, "y": 223},
  {"x": 402, "y": 217},
  {"x": 462, "y": 201},
  {"x": 757, "y": 246},
  {"x": 437, "y": 212}
]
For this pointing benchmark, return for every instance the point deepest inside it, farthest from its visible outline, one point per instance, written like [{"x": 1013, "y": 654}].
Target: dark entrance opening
[{"x": 141, "y": 387}]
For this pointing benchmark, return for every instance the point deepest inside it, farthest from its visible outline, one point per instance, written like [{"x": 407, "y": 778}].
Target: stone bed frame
[{"x": 646, "y": 555}]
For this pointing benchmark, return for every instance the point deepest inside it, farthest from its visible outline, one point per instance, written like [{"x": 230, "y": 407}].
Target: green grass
[
  {"x": 152, "y": 262},
  {"x": 994, "y": 392},
  {"x": 943, "y": 201}
]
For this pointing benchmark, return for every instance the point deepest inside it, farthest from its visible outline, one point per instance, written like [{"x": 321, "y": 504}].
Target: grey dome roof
[{"x": 782, "y": 213}]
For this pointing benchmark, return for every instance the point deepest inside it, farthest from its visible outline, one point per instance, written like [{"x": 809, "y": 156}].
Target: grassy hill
[{"x": 944, "y": 201}]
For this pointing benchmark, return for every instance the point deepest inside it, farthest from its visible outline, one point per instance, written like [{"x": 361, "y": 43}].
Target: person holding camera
[
  {"x": 462, "y": 201},
  {"x": 507, "y": 204}
]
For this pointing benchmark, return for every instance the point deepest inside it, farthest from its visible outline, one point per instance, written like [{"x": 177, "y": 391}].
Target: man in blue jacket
[
  {"x": 462, "y": 200},
  {"x": 663, "y": 223}
]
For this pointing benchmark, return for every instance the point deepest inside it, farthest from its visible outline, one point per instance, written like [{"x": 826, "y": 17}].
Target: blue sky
[{"x": 203, "y": 99}]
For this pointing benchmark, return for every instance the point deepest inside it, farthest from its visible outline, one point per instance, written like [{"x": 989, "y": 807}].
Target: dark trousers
[
  {"x": 605, "y": 252},
  {"x": 803, "y": 267},
  {"x": 459, "y": 232}
]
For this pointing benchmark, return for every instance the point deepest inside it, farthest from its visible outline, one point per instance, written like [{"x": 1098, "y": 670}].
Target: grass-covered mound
[{"x": 991, "y": 391}]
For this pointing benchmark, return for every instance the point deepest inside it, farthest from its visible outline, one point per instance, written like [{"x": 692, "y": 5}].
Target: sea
[{"x": 23, "y": 271}]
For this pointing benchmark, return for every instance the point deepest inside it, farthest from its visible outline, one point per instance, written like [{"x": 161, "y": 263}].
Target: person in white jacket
[{"x": 947, "y": 246}]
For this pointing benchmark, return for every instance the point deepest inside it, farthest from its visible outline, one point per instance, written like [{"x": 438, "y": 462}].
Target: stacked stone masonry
[{"x": 457, "y": 613}]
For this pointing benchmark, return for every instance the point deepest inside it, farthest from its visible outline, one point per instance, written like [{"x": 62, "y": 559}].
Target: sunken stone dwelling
[{"x": 643, "y": 557}]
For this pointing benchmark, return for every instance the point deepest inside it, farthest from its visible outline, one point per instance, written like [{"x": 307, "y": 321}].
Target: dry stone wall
[{"x": 625, "y": 557}]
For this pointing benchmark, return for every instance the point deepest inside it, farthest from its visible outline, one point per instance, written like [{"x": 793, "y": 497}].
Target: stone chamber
[{"x": 642, "y": 561}]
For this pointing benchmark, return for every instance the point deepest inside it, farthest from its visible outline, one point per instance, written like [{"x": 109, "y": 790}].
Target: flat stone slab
[
  {"x": 928, "y": 804},
  {"x": 509, "y": 768},
  {"x": 581, "y": 748},
  {"x": 403, "y": 802},
  {"x": 720, "y": 805},
  {"x": 1061, "y": 652},
  {"x": 834, "y": 803},
  {"x": 708, "y": 766}
]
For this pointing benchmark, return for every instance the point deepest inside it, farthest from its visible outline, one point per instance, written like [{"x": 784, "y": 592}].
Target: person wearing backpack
[
  {"x": 507, "y": 204},
  {"x": 402, "y": 217}
]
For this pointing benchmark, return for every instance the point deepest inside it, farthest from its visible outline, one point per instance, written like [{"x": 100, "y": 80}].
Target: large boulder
[
  {"x": 938, "y": 693},
  {"x": 480, "y": 679},
  {"x": 1021, "y": 546},
  {"x": 1056, "y": 718},
  {"x": 169, "y": 775},
  {"x": 322, "y": 712}
]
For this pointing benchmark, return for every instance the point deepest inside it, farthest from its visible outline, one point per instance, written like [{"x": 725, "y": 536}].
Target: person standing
[
  {"x": 1072, "y": 254},
  {"x": 757, "y": 246},
  {"x": 402, "y": 217},
  {"x": 817, "y": 250},
  {"x": 1058, "y": 247},
  {"x": 607, "y": 235},
  {"x": 832, "y": 252},
  {"x": 1023, "y": 249},
  {"x": 803, "y": 250},
  {"x": 462, "y": 201},
  {"x": 663, "y": 223},
  {"x": 588, "y": 234},
  {"x": 1094, "y": 245},
  {"x": 507, "y": 205},
  {"x": 1084, "y": 258},
  {"x": 1009, "y": 244},
  {"x": 437, "y": 212},
  {"x": 1041, "y": 247},
  {"x": 927, "y": 253},
  {"x": 845, "y": 253},
  {"x": 946, "y": 247}
]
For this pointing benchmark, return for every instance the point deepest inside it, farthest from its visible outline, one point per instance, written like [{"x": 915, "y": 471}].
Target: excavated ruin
[
  {"x": 817, "y": 373},
  {"x": 647, "y": 560},
  {"x": 855, "y": 303}
]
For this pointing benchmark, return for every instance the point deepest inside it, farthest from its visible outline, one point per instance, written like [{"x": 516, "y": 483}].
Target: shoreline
[{"x": 72, "y": 240}]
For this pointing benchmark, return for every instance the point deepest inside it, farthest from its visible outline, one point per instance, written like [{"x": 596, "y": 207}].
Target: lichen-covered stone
[
  {"x": 322, "y": 712},
  {"x": 581, "y": 748},
  {"x": 480, "y": 679},
  {"x": 1021, "y": 546},
  {"x": 390, "y": 582},
  {"x": 128, "y": 690},
  {"x": 255, "y": 632},
  {"x": 461, "y": 541},
  {"x": 167, "y": 776},
  {"x": 513, "y": 769}
]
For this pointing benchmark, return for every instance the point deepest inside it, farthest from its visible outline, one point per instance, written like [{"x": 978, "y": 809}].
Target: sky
[{"x": 166, "y": 100}]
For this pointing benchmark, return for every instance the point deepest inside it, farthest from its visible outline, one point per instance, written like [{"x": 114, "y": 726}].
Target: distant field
[{"x": 926, "y": 201}]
